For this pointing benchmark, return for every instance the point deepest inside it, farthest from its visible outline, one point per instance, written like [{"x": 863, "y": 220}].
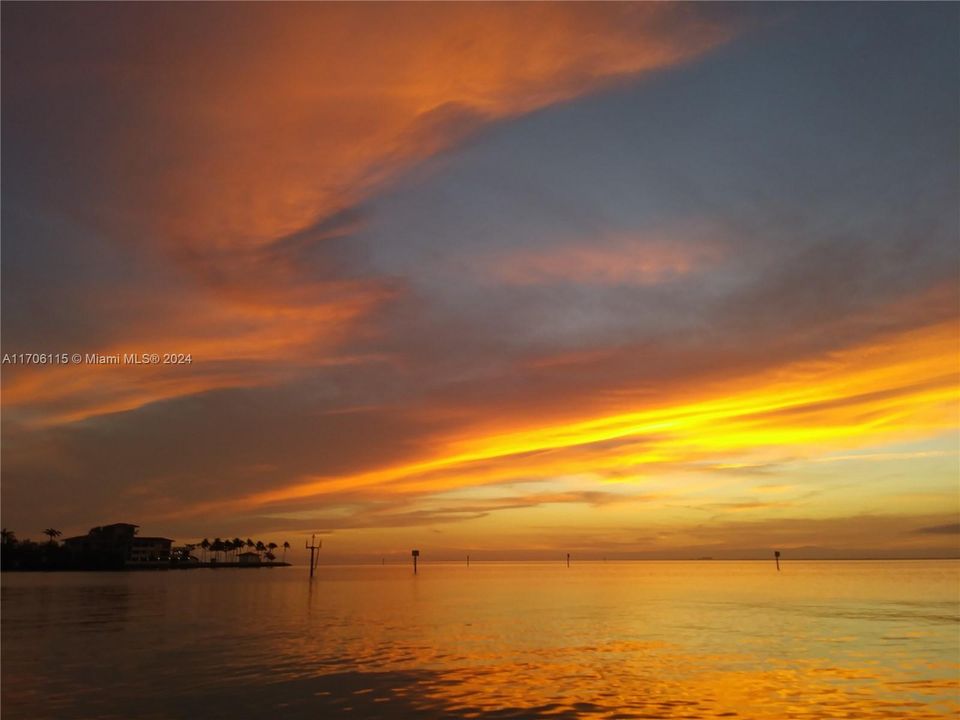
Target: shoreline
[{"x": 141, "y": 568}]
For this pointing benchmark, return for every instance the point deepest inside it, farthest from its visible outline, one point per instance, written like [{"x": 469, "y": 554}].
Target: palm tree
[
  {"x": 270, "y": 556},
  {"x": 53, "y": 533},
  {"x": 216, "y": 546},
  {"x": 8, "y": 537},
  {"x": 237, "y": 544},
  {"x": 271, "y": 547},
  {"x": 205, "y": 546},
  {"x": 286, "y": 546},
  {"x": 261, "y": 548}
]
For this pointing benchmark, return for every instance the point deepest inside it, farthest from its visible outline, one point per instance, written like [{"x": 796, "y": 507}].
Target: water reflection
[{"x": 651, "y": 640}]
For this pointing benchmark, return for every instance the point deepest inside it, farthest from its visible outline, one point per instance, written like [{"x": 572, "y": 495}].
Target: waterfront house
[{"x": 118, "y": 546}]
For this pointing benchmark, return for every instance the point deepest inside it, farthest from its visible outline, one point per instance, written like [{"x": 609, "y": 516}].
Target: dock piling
[{"x": 313, "y": 547}]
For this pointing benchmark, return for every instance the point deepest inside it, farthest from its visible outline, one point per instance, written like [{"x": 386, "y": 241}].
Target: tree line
[
  {"x": 225, "y": 548},
  {"x": 30, "y": 555}
]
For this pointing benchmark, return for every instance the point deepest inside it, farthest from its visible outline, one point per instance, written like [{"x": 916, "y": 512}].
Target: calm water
[{"x": 623, "y": 640}]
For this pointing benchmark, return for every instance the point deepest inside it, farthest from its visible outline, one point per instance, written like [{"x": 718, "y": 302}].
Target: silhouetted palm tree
[
  {"x": 216, "y": 546},
  {"x": 270, "y": 556},
  {"x": 205, "y": 546},
  {"x": 286, "y": 546},
  {"x": 237, "y": 544},
  {"x": 261, "y": 548},
  {"x": 53, "y": 533},
  {"x": 8, "y": 537},
  {"x": 271, "y": 547}
]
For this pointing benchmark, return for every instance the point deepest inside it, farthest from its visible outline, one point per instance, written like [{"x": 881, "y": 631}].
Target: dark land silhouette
[{"x": 119, "y": 547}]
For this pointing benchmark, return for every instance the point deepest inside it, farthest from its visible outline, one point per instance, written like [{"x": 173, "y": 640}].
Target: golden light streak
[{"x": 903, "y": 387}]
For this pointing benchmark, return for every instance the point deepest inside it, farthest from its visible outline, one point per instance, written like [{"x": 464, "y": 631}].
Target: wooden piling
[{"x": 313, "y": 547}]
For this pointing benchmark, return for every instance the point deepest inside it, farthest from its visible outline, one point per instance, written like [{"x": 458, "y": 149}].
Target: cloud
[
  {"x": 237, "y": 143},
  {"x": 600, "y": 261},
  {"x": 852, "y": 532},
  {"x": 367, "y": 512},
  {"x": 760, "y": 416},
  {"x": 951, "y": 529}
]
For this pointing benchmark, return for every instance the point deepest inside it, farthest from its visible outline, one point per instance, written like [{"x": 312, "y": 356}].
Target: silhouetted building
[
  {"x": 119, "y": 546},
  {"x": 248, "y": 558}
]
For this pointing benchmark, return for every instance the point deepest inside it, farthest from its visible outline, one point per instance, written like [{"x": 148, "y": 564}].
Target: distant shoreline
[
  {"x": 473, "y": 561},
  {"x": 218, "y": 566},
  {"x": 151, "y": 568}
]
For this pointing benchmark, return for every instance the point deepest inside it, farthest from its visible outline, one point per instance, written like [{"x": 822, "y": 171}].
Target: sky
[{"x": 514, "y": 280}]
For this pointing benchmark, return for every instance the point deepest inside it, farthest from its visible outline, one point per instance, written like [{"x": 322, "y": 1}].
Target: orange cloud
[
  {"x": 230, "y": 345},
  {"x": 277, "y": 117},
  {"x": 325, "y": 102}
]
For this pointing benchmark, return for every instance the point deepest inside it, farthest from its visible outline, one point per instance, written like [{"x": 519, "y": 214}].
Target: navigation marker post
[
  {"x": 415, "y": 554},
  {"x": 313, "y": 547}
]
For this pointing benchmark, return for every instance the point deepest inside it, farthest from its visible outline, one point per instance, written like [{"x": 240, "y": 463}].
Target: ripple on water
[{"x": 652, "y": 641}]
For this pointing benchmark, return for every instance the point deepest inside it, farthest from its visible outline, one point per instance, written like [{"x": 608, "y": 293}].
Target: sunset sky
[{"x": 622, "y": 280}]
